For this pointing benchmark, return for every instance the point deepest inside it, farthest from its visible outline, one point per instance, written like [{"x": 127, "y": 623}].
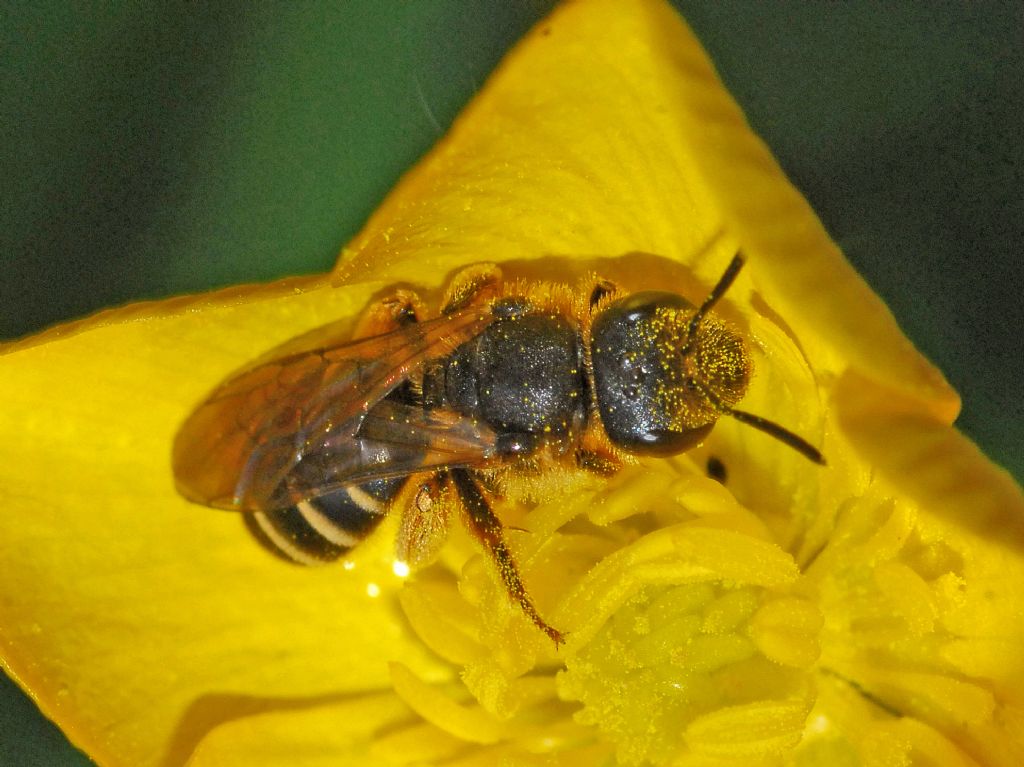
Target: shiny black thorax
[{"x": 523, "y": 376}]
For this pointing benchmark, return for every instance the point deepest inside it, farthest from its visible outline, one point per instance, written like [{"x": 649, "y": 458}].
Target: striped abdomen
[{"x": 322, "y": 529}]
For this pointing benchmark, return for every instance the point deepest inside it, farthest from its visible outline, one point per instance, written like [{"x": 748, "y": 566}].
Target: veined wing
[
  {"x": 236, "y": 449},
  {"x": 395, "y": 439}
]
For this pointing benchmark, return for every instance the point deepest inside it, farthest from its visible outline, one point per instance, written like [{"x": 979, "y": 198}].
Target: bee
[{"x": 432, "y": 415}]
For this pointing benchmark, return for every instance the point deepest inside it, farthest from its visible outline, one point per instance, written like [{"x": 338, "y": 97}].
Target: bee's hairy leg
[
  {"x": 597, "y": 463},
  {"x": 471, "y": 285},
  {"x": 425, "y": 520},
  {"x": 489, "y": 531},
  {"x": 397, "y": 310}
]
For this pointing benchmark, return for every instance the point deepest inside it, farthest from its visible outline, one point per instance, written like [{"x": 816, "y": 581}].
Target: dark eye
[{"x": 628, "y": 374}]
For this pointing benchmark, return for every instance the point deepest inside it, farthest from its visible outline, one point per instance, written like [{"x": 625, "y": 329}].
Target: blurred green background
[{"x": 150, "y": 149}]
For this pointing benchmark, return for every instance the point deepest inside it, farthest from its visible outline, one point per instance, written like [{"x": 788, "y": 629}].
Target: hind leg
[
  {"x": 426, "y": 513},
  {"x": 488, "y": 529}
]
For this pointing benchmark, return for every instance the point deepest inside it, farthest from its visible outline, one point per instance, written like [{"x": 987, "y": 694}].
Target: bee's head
[
  {"x": 664, "y": 374},
  {"x": 665, "y": 370}
]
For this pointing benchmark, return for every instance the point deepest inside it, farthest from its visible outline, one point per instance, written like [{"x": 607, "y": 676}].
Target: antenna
[
  {"x": 780, "y": 433},
  {"x": 716, "y": 293}
]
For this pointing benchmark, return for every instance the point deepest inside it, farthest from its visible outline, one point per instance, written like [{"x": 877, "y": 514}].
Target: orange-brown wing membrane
[
  {"x": 236, "y": 449},
  {"x": 395, "y": 439}
]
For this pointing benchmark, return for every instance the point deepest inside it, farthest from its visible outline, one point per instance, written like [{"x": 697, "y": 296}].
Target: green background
[{"x": 154, "y": 149}]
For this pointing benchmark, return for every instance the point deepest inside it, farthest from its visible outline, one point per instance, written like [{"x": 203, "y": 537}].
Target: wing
[
  {"x": 237, "y": 448},
  {"x": 395, "y": 439}
]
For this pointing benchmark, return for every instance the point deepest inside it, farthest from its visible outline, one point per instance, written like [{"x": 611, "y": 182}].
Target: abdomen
[{"x": 322, "y": 529}]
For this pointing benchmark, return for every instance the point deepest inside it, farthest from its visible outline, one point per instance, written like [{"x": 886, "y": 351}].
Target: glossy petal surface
[{"x": 154, "y": 631}]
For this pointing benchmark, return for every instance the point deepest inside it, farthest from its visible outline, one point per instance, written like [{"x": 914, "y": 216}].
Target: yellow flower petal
[
  {"x": 341, "y": 733},
  {"x": 937, "y": 466},
  {"x": 127, "y": 611},
  {"x": 799, "y": 611}
]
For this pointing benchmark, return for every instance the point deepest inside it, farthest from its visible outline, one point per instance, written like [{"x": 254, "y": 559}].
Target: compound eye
[
  {"x": 663, "y": 443},
  {"x": 629, "y": 372}
]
